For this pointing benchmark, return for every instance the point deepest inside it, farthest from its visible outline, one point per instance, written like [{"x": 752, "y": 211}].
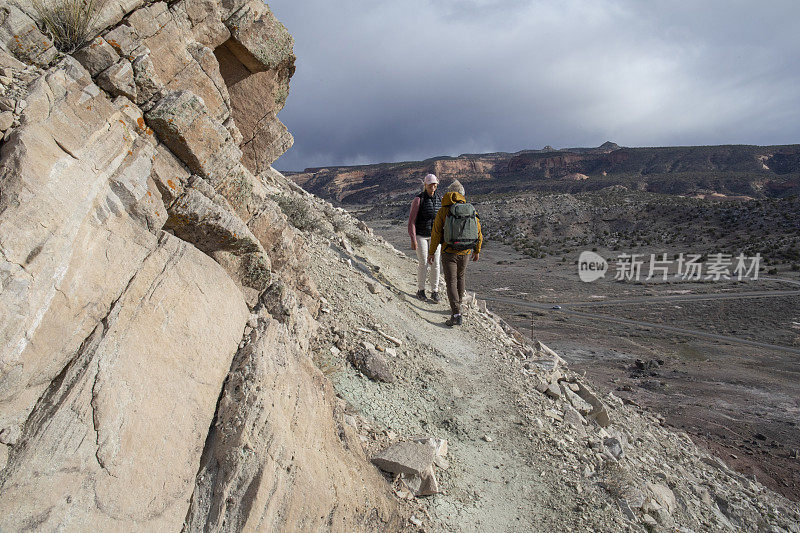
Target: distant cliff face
[
  {"x": 155, "y": 316},
  {"x": 731, "y": 170}
]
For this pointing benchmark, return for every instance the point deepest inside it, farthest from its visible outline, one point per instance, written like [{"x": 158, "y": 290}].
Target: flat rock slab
[{"x": 406, "y": 458}]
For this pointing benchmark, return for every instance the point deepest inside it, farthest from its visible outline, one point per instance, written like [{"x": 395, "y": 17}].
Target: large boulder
[
  {"x": 205, "y": 219},
  {"x": 257, "y": 63},
  {"x": 170, "y": 60},
  {"x": 187, "y": 127},
  {"x": 260, "y": 41},
  {"x": 276, "y": 460},
  {"x": 114, "y": 443}
]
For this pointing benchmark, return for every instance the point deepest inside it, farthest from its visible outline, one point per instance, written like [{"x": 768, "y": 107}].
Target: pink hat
[{"x": 430, "y": 178}]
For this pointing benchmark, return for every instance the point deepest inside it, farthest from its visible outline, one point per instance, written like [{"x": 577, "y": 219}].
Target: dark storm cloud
[{"x": 388, "y": 81}]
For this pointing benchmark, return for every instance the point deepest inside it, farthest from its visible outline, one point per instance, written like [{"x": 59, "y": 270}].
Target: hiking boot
[
  {"x": 454, "y": 320},
  {"x": 435, "y": 297},
  {"x": 421, "y": 295}
]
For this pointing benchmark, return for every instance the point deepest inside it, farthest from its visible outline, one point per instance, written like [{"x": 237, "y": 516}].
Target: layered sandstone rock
[
  {"x": 22, "y": 38},
  {"x": 114, "y": 441},
  {"x": 154, "y": 312}
]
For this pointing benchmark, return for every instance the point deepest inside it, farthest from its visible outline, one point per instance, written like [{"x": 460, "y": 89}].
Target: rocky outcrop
[
  {"x": 256, "y": 63},
  {"x": 134, "y": 403},
  {"x": 268, "y": 453},
  {"x": 74, "y": 175},
  {"x": 154, "y": 311}
]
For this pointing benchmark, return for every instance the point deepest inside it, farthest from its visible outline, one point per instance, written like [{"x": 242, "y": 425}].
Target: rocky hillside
[
  {"x": 756, "y": 171},
  {"x": 191, "y": 342}
]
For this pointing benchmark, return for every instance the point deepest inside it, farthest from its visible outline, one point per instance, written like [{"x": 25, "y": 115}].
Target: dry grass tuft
[{"x": 67, "y": 22}]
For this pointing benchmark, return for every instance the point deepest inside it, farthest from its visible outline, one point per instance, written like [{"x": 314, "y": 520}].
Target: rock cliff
[{"x": 155, "y": 314}]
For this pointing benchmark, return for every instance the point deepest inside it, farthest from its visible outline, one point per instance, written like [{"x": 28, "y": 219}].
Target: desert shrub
[
  {"x": 67, "y": 22},
  {"x": 339, "y": 223},
  {"x": 296, "y": 210},
  {"x": 357, "y": 238},
  {"x": 257, "y": 271}
]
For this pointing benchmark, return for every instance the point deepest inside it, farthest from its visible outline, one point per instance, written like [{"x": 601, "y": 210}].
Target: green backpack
[{"x": 461, "y": 227}]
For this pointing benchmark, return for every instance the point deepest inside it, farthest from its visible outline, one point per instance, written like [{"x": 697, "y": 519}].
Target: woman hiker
[
  {"x": 420, "y": 221},
  {"x": 454, "y": 259}
]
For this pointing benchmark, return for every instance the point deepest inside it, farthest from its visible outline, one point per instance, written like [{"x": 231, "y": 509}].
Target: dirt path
[
  {"x": 491, "y": 480},
  {"x": 505, "y": 473},
  {"x": 456, "y": 394},
  {"x": 516, "y": 463}
]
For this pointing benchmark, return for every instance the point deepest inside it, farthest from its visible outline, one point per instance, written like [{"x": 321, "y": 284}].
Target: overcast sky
[{"x": 381, "y": 81}]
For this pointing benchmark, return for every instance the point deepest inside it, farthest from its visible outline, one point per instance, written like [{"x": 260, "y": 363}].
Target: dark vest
[{"x": 428, "y": 207}]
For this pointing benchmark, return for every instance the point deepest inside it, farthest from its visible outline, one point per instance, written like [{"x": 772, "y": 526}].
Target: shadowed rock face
[{"x": 139, "y": 257}]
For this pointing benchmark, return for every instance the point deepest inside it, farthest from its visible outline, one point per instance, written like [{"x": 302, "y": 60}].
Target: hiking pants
[
  {"x": 455, "y": 267},
  {"x": 423, "y": 244}
]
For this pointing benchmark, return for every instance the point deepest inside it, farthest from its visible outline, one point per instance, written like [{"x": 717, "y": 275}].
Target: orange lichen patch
[
  {"x": 149, "y": 193},
  {"x": 143, "y": 127},
  {"x": 170, "y": 184}
]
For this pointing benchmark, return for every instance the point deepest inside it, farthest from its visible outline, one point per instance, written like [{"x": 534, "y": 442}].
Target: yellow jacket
[{"x": 449, "y": 199}]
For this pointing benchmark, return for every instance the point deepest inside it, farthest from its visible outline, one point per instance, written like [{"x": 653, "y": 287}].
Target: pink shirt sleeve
[{"x": 412, "y": 219}]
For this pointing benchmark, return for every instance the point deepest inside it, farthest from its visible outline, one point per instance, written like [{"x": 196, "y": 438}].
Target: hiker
[
  {"x": 420, "y": 221},
  {"x": 458, "y": 229}
]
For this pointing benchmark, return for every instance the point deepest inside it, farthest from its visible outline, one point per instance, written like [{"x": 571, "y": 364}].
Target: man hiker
[
  {"x": 458, "y": 229},
  {"x": 420, "y": 221}
]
